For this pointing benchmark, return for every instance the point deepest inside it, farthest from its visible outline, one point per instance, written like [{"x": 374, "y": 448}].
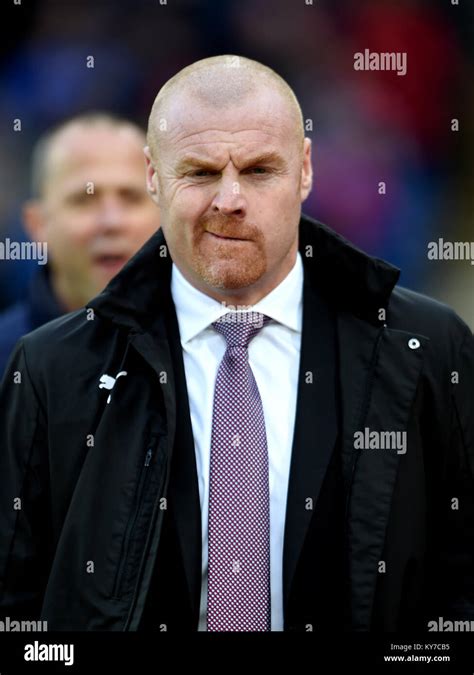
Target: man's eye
[
  {"x": 201, "y": 173},
  {"x": 80, "y": 198},
  {"x": 132, "y": 196},
  {"x": 259, "y": 170}
]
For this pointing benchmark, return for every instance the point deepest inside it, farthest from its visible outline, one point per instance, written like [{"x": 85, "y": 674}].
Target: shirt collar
[{"x": 196, "y": 310}]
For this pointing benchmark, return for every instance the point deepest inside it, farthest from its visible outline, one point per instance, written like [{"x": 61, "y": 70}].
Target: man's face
[
  {"x": 230, "y": 185},
  {"x": 96, "y": 212}
]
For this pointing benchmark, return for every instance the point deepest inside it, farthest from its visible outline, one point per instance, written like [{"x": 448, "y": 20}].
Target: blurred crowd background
[{"x": 367, "y": 127}]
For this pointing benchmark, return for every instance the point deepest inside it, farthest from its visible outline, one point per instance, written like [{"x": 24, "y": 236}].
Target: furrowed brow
[
  {"x": 195, "y": 162},
  {"x": 264, "y": 158}
]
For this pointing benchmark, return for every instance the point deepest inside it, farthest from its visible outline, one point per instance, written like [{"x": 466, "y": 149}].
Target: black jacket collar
[{"x": 351, "y": 279}]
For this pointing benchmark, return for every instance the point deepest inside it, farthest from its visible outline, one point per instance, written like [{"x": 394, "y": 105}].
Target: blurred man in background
[{"x": 91, "y": 207}]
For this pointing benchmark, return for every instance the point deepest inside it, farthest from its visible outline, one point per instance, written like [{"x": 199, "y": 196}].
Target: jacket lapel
[
  {"x": 379, "y": 377},
  {"x": 155, "y": 351},
  {"x": 315, "y": 427},
  {"x": 184, "y": 490},
  {"x": 163, "y": 353}
]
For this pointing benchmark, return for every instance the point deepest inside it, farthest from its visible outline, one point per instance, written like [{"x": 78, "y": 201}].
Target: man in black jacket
[{"x": 251, "y": 427}]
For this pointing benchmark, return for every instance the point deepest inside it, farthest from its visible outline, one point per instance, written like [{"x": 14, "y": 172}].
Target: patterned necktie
[{"x": 239, "y": 504}]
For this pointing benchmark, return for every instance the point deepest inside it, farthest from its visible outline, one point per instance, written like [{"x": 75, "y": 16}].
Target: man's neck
[{"x": 68, "y": 300}]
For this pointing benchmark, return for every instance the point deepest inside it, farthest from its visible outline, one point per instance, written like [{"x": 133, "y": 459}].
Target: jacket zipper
[
  {"x": 143, "y": 481},
  {"x": 163, "y": 483}
]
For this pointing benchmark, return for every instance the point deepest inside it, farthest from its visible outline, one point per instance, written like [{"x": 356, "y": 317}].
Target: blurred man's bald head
[
  {"x": 90, "y": 202},
  {"x": 220, "y": 82},
  {"x": 56, "y": 143}
]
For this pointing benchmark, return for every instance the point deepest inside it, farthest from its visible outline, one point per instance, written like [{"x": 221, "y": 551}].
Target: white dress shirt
[{"x": 274, "y": 356}]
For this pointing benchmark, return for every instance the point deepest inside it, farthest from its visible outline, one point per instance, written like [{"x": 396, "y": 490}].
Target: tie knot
[{"x": 239, "y": 328}]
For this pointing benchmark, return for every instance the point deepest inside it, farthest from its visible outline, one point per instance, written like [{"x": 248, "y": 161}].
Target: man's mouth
[
  {"x": 223, "y": 237},
  {"x": 110, "y": 263}
]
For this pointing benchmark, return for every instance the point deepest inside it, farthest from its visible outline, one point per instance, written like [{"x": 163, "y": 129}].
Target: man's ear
[
  {"x": 306, "y": 170},
  {"x": 152, "y": 184},
  {"x": 34, "y": 220}
]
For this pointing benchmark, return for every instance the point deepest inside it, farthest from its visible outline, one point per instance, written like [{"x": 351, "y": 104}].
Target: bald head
[
  {"x": 91, "y": 204},
  {"x": 220, "y": 82},
  {"x": 229, "y": 167},
  {"x": 56, "y": 144}
]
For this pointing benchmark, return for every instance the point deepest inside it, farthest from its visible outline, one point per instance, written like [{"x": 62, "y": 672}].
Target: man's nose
[
  {"x": 110, "y": 214},
  {"x": 229, "y": 199}
]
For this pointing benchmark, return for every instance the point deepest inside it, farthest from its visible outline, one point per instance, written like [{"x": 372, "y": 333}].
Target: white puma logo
[{"x": 108, "y": 382}]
